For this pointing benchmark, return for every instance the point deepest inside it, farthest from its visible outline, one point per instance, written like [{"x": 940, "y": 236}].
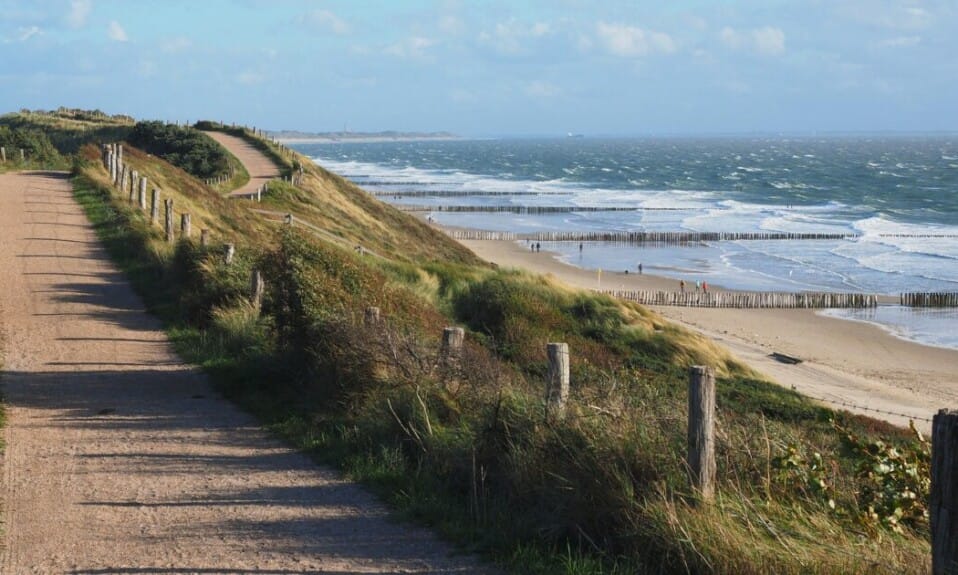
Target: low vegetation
[{"x": 466, "y": 445}]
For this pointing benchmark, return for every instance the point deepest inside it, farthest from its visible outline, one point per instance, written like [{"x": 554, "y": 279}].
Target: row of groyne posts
[
  {"x": 754, "y": 300},
  {"x": 3, "y": 155},
  {"x": 643, "y": 237}
]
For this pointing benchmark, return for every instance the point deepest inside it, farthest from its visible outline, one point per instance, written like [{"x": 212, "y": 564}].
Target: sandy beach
[{"x": 855, "y": 363}]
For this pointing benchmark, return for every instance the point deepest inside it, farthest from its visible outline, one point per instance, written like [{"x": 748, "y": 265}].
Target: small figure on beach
[
  {"x": 640, "y": 268},
  {"x": 532, "y": 247},
  {"x": 627, "y": 271},
  {"x": 682, "y": 286},
  {"x": 580, "y": 247},
  {"x": 705, "y": 287},
  {"x": 698, "y": 285},
  {"x": 538, "y": 247}
]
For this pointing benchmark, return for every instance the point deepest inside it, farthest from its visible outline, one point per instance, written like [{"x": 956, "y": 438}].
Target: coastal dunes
[
  {"x": 466, "y": 447},
  {"x": 850, "y": 365}
]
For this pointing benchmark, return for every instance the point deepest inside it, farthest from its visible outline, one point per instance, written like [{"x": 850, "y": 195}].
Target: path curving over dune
[
  {"x": 261, "y": 169},
  {"x": 121, "y": 459}
]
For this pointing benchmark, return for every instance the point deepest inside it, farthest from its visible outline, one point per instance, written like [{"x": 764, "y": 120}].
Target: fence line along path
[{"x": 121, "y": 459}]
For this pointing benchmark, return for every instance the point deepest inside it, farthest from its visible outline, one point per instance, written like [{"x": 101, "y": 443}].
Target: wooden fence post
[
  {"x": 186, "y": 228},
  {"x": 288, "y": 220},
  {"x": 944, "y": 492},
  {"x": 450, "y": 354},
  {"x": 557, "y": 384},
  {"x": 155, "y": 206},
  {"x": 371, "y": 317},
  {"x": 256, "y": 288},
  {"x": 141, "y": 195},
  {"x": 3, "y": 154},
  {"x": 23, "y": 157},
  {"x": 701, "y": 437},
  {"x": 230, "y": 252},
  {"x": 168, "y": 203},
  {"x": 204, "y": 237}
]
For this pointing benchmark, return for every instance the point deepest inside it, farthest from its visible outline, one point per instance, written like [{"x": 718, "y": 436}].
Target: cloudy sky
[{"x": 493, "y": 67}]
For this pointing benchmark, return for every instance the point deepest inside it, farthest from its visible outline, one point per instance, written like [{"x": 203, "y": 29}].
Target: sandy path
[
  {"x": 120, "y": 459},
  {"x": 261, "y": 169},
  {"x": 846, "y": 361}
]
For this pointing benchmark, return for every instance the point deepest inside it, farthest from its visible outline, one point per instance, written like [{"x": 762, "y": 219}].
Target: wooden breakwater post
[
  {"x": 155, "y": 207},
  {"x": 229, "y": 250},
  {"x": 557, "y": 381},
  {"x": 168, "y": 220},
  {"x": 701, "y": 431},
  {"x": 929, "y": 299},
  {"x": 186, "y": 226},
  {"x": 256, "y": 288},
  {"x": 943, "y": 503}
]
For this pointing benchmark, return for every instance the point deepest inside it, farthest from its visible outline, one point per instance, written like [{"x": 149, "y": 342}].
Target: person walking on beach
[
  {"x": 682, "y": 286},
  {"x": 538, "y": 247},
  {"x": 698, "y": 284},
  {"x": 580, "y": 247},
  {"x": 705, "y": 287},
  {"x": 640, "y": 268}
]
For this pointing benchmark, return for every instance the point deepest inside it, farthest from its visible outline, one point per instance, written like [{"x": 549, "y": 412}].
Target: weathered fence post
[
  {"x": 450, "y": 354},
  {"x": 256, "y": 288},
  {"x": 204, "y": 237},
  {"x": 944, "y": 492},
  {"x": 230, "y": 252},
  {"x": 288, "y": 220},
  {"x": 23, "y": 156},
  {"x": 701, "y": 455},
  {"x": 557, "y": 383},
  {"x": 3, "y": 154},
  {"x": 168, "y": 203},
  {"x": 372, "y": 316},
  {"x": 186, "y": 228},
  {"x": 142, "y": 193},
  {"x": 155, "y": 206}
]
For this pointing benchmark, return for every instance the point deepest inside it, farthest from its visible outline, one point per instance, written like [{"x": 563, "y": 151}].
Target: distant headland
[{"x": 387, "y": 136}]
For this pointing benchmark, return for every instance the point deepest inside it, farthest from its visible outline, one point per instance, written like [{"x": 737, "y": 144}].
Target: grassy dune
[{"x": 467, "y": 447}]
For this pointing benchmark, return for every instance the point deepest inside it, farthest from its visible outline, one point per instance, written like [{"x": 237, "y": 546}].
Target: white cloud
[
  {"x": 889, "y": 14},
  {"x": 901, "y": 41},
  {"x": 248, "y": 78},
  {"x": 326, "y": 20},
  {"x": 768, "y": 40},
  {"x": 24, "y": 34},
  {"x": 79, "y": 10},
  {"x": 539, "y": 89},
  {"x": 631, "y": 41},
  {"x": 414, "y": 47},
  {"x": 178, "y": 44},
  {"x": 451, "y": 25},
  {"x": 116, "y": 32},
  {"x": 509, "y": 37}
]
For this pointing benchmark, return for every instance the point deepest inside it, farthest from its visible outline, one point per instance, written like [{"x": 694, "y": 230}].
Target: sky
[{"x": 493, "y": 67}]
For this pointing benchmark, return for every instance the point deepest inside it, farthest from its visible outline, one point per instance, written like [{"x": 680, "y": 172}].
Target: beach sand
[{"x": 855, "y": 363}]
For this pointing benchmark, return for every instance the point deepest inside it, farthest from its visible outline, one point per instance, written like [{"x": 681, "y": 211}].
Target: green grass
[{"x": 471, "y": 454}]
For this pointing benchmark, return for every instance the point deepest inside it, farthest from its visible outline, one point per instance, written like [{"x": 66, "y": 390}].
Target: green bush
[
  {"x": 185, "y": 148},
  {"x": 35, "y": 144}
]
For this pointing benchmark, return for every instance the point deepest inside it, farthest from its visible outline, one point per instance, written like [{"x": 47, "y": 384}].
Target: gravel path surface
[
  {"x": 261, "y": 169},
  {"x": 121, "y": 459}
]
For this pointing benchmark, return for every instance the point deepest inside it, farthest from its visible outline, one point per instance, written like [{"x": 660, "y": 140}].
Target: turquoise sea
[{"x": 899, "y": 194}]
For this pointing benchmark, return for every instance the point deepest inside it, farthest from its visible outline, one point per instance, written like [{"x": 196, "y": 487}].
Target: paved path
[
  {"x": 120, "y": 459},
  {"x": 261, "y": 169}
]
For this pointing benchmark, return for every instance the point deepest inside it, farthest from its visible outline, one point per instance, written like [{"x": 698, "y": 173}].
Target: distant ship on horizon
[{"x": 571, "y": 135}]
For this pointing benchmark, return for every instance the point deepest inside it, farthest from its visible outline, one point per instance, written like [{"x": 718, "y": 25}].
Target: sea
[{"x": 897, "y": 194}]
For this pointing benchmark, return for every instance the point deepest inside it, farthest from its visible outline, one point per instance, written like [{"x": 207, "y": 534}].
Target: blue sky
[{"x": 491, "y": 67}]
